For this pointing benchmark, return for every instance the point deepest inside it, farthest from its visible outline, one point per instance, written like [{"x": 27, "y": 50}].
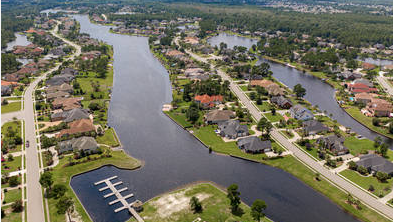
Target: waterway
[
  {"x": 317, "y": 92},
  {"x": 172, "y": 156},
  {"x": 22, "y": 41}
]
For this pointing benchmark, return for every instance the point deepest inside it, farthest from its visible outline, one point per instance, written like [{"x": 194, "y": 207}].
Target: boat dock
[{"x": 120, "y": 197}]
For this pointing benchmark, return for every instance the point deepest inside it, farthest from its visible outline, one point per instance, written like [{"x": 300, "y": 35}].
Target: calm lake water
[
  {"x": 317, "y": 92},
  {"x": 20, "y": 40},
  {"x": 172, "y": 156}
]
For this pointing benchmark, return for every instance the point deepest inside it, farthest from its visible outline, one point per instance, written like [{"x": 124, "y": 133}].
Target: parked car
[{"x": 27, "y": 144}]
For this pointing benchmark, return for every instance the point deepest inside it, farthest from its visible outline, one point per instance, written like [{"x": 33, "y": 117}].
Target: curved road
[{"x": 336, "y": 180}]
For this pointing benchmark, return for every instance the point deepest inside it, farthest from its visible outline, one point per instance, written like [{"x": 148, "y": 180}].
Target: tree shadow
[{"x": 238, "y": 212}]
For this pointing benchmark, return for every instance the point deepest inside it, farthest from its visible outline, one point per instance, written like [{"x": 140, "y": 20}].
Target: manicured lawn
[
  {"x": 264, "y": 107},
  {"x": 16, "y": 127},
  {"x": 357, "y": 146},
  {"x": 12, "y": 165},
  {"x": 210, "y": 138},
  {"x": 62, "y": 175},
  {"x": 8, "y": 185},
  {"x": 180, "y": 118},
  {"x": 244, "y": 88},
  {"x": 313, "y": 151},
  {"x": 215, "y": 206},
  {"x": 354, "y": 112},
  {"x": 108, "y": 138},
  {"x": 274, "y": 118},
  {"x": 11, "y": 107},
  {"x": 365, "y": 182},
  {"x": 11, "y": 216},
  {"x": 13, "y": 195}
]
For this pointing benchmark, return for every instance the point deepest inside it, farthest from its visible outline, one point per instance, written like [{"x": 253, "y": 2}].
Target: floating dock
[{"x": 119, "y": 197}]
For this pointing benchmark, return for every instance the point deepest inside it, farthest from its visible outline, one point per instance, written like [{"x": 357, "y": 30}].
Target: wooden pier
[{"x": 119, "y": 197}]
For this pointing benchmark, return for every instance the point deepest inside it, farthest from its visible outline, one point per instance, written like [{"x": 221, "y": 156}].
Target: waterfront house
[
  {"x": 263, "y": 83},
  {"x": 333, "y": 143},
  {"x": 87, "y": 144},
  {"x": 274, "y": 90},
  {"x": 301, "y": 113},
  {"x": 254, "y": 144},
  {"x": 78, "y": 127},
  {"x": 59, "y": 80},
  {"x": 232, "y": 129},
  {"x": 66, "y": 103},
  {"x": 363, "y": 98},
  {"x": 209, "y": 101},
  {"x": 360, "y": 87},
  {"x": 217, "y": 116},
  {"x": 312, "y": 127},
  {"x": 71, "y": 115},
  {"x": 379, "y": 107},
  {"x": 374, "y": 163},
  {"x": 281, "y": 102},
  {"x": 175, "y": 54}
]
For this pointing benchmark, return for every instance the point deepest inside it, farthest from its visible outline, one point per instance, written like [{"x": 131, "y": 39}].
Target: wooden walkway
[{"x": 119, "y": 197}]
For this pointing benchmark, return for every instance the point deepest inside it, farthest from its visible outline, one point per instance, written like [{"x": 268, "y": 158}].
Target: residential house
[
  {"x": 301, "y": 113},
  {"x": 60, "y": 79},
  {"x": 65, "y": 87},
  {"x": 360, "y": 87},
  {"x": 174, "y": 53},
  {"x": 69, "y": 71},
  {"x": 254, "y": 144},
  {"x": 281, "y": 102},
  {"x": 217, "y": 116},
  {"x": 78, "y": 126},
  {"x": 379, "y": 107},
  {"x": 6, "y": 90},
  {"x": 209, "y": 101},
  {"x": 312, "y": 127},
  {"x": 374, "y": 163},
  {"x": 363, "y": 98},
  {"x": 274, "y": 90},
  {"x": 14, "y": 77},
  {"x": 87, "y": 144},
  {"x": 66, "y": 103},
  {"x": 58, "y": 94},
  {"x": 368, "y": 66},
  {"x": 191, "y": 40},
  {"x": 333, "y": 143},
  {"x": 232, "y": 129},
  {"x": 387, "y": 67},
  {"x": 71, "y": 115},
  {"x": 364, "y": 81}
]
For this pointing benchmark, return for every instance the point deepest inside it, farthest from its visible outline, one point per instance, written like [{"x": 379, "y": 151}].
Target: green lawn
[
  {"x": 313, "y": 151},
  {"x": 109, "y": 138},
  {"x": 8, "y": 185},
  {"x": 215, "y": 206},
  {"x": 16, "y": 127},
  {"x": 365, "y": 182},
  {"x": 357, "y": 146},
  {"x": 13, "y": 195},
  {"x": 12, "y": 165},
  {"x": 264, "y": 107},
  {"x": 11, "y": 216},
  {"x": 274, "y": 118},
  {"x": 11, "y": 107},
  {"x": 62, "y": 175},
  {"x": 355, "y": 113},
  {"x": 179, "y": 118},
  {"x": 244, "y": 88}
]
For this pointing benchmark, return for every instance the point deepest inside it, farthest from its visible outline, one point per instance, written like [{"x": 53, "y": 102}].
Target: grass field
[
  {"x": 11, "y": 216},
  {"x": 13, "y": 195},
  {"x": 264, "y": 107},
  {"x": 62, "y": 175},
  {"x": 15, "y": 126},
  {"x": 12, "y": 165},
  {"x": 108, "y": 138},
  {"x": 180, "y": 118},
  {"x": 11, "y": 107},
  {"x": 215, "y": 206},
  {"x": 274, "y": 118},
  {"x": 365, "y": 182}
]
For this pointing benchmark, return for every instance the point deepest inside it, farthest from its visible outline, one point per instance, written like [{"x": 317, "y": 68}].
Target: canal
[
  {"x": 172, "y": 156},
  {"x": 317, "y": 92}
]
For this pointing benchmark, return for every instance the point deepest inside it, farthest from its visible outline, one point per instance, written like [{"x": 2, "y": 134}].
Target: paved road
[
  {"x": 35, "y": 209},
  {"x": 334, "y": 178},
  {"x": 384, "y": 82}
]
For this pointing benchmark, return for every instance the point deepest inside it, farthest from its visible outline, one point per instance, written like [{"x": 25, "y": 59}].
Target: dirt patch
[{"x": 172, "y": 203}]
